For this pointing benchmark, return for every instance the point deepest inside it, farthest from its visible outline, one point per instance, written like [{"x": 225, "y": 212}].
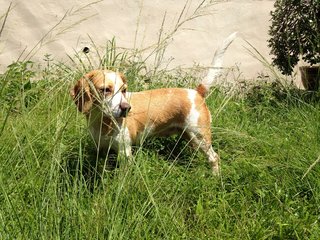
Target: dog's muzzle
[{"x": 125, "y": 108}]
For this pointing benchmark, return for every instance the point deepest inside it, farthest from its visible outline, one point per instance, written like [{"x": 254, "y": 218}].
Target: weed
[{"x": 18, "y": 92}]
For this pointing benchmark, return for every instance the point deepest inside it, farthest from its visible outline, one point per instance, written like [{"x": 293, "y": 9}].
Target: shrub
[{"x": 295, "y": 32}]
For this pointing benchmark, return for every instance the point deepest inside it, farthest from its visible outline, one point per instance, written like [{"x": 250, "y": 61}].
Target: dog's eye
[{"x": 105, "y": 90}]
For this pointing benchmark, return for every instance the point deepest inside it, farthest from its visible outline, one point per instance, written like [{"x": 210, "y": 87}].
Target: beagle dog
[{"x": 118, "y": 119}]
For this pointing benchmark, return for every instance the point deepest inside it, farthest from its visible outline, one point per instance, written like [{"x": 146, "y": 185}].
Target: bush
[{"x": 295, "y": 32}]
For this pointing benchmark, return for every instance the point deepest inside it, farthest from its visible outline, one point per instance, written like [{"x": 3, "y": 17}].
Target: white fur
[
  {"x": 192, "y": 118},
  {"x": 113, "y": 104},
  {"x": 216, "y": 65},
  {"x": 122, "y": 141}
]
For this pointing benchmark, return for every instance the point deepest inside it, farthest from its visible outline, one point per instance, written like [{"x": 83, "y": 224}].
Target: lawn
[{"x": 54, "y": 185}]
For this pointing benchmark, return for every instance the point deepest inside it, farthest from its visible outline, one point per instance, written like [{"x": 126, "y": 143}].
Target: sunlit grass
[{"x": 54, "y": 185}]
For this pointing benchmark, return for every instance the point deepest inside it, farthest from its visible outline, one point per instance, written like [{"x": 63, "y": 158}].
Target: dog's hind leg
[
  {"x": 198, "y": 140},
  {"x": 213, "y": 159}
]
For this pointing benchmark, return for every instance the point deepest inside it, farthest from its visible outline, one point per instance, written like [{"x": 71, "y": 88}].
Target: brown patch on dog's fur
[
  {"x": 124, "y": 79},
  {"x": 81, "y": 93},
  {"x": 95, "y": 76},
  {"x": 202, "y": 90},
  {"x": 82, "y": 96},
  {"x": 156, "y": 108},
  {"x": 204, "y": 120}
]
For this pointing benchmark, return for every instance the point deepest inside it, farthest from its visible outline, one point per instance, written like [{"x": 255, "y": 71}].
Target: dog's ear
[
  {"x": 123, "y": 77},
  {"x": 81, "y": 95}
]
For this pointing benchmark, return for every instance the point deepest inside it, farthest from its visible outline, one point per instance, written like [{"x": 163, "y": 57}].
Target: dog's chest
[{"x": 110, "y": 138}]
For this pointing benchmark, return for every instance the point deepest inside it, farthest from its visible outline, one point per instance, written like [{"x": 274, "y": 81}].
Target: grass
[{"x": 55, "y": 186}]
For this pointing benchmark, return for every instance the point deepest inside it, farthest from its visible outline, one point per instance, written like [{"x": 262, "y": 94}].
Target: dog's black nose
[{"x": 125, "y": 108}]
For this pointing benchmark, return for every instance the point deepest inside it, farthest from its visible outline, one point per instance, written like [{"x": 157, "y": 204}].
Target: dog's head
[{"x": 103, "y": 89}]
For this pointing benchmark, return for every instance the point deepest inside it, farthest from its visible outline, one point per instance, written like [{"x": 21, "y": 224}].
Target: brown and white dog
[{"x": 118, "y": 119}]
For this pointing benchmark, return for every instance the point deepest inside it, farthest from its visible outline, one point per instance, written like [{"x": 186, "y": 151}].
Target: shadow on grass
[
  {"x": 92, "y": 166},
  {"x": 171, "y": 149},
  {"x": 86, "y": 164}
]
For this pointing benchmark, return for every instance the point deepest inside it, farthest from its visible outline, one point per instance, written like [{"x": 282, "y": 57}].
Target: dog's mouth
[
  {"x": 124, "y": 109},
  {"x": 124, "y": 114},
  {"x": 121, "y": 111}
]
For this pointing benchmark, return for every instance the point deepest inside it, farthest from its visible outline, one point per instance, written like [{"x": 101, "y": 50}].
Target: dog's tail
[{"x": 216, "y": 66}]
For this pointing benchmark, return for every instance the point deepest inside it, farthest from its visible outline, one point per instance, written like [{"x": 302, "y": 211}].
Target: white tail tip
[{"x": 216, "y": 65}]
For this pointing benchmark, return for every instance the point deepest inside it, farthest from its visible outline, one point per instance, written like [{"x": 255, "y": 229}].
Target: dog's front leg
[
  {"x": 123, "y": 141},
  {"x": 125, "y": 151}
]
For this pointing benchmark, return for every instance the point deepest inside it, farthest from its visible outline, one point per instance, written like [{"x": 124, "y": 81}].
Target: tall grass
[{"x": 54, "y": 185}]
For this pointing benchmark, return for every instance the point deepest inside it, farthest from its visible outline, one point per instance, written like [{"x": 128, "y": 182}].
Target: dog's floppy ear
[
  {"x": 123, "y": 77},
  {"x": 81, "y": 95}
]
